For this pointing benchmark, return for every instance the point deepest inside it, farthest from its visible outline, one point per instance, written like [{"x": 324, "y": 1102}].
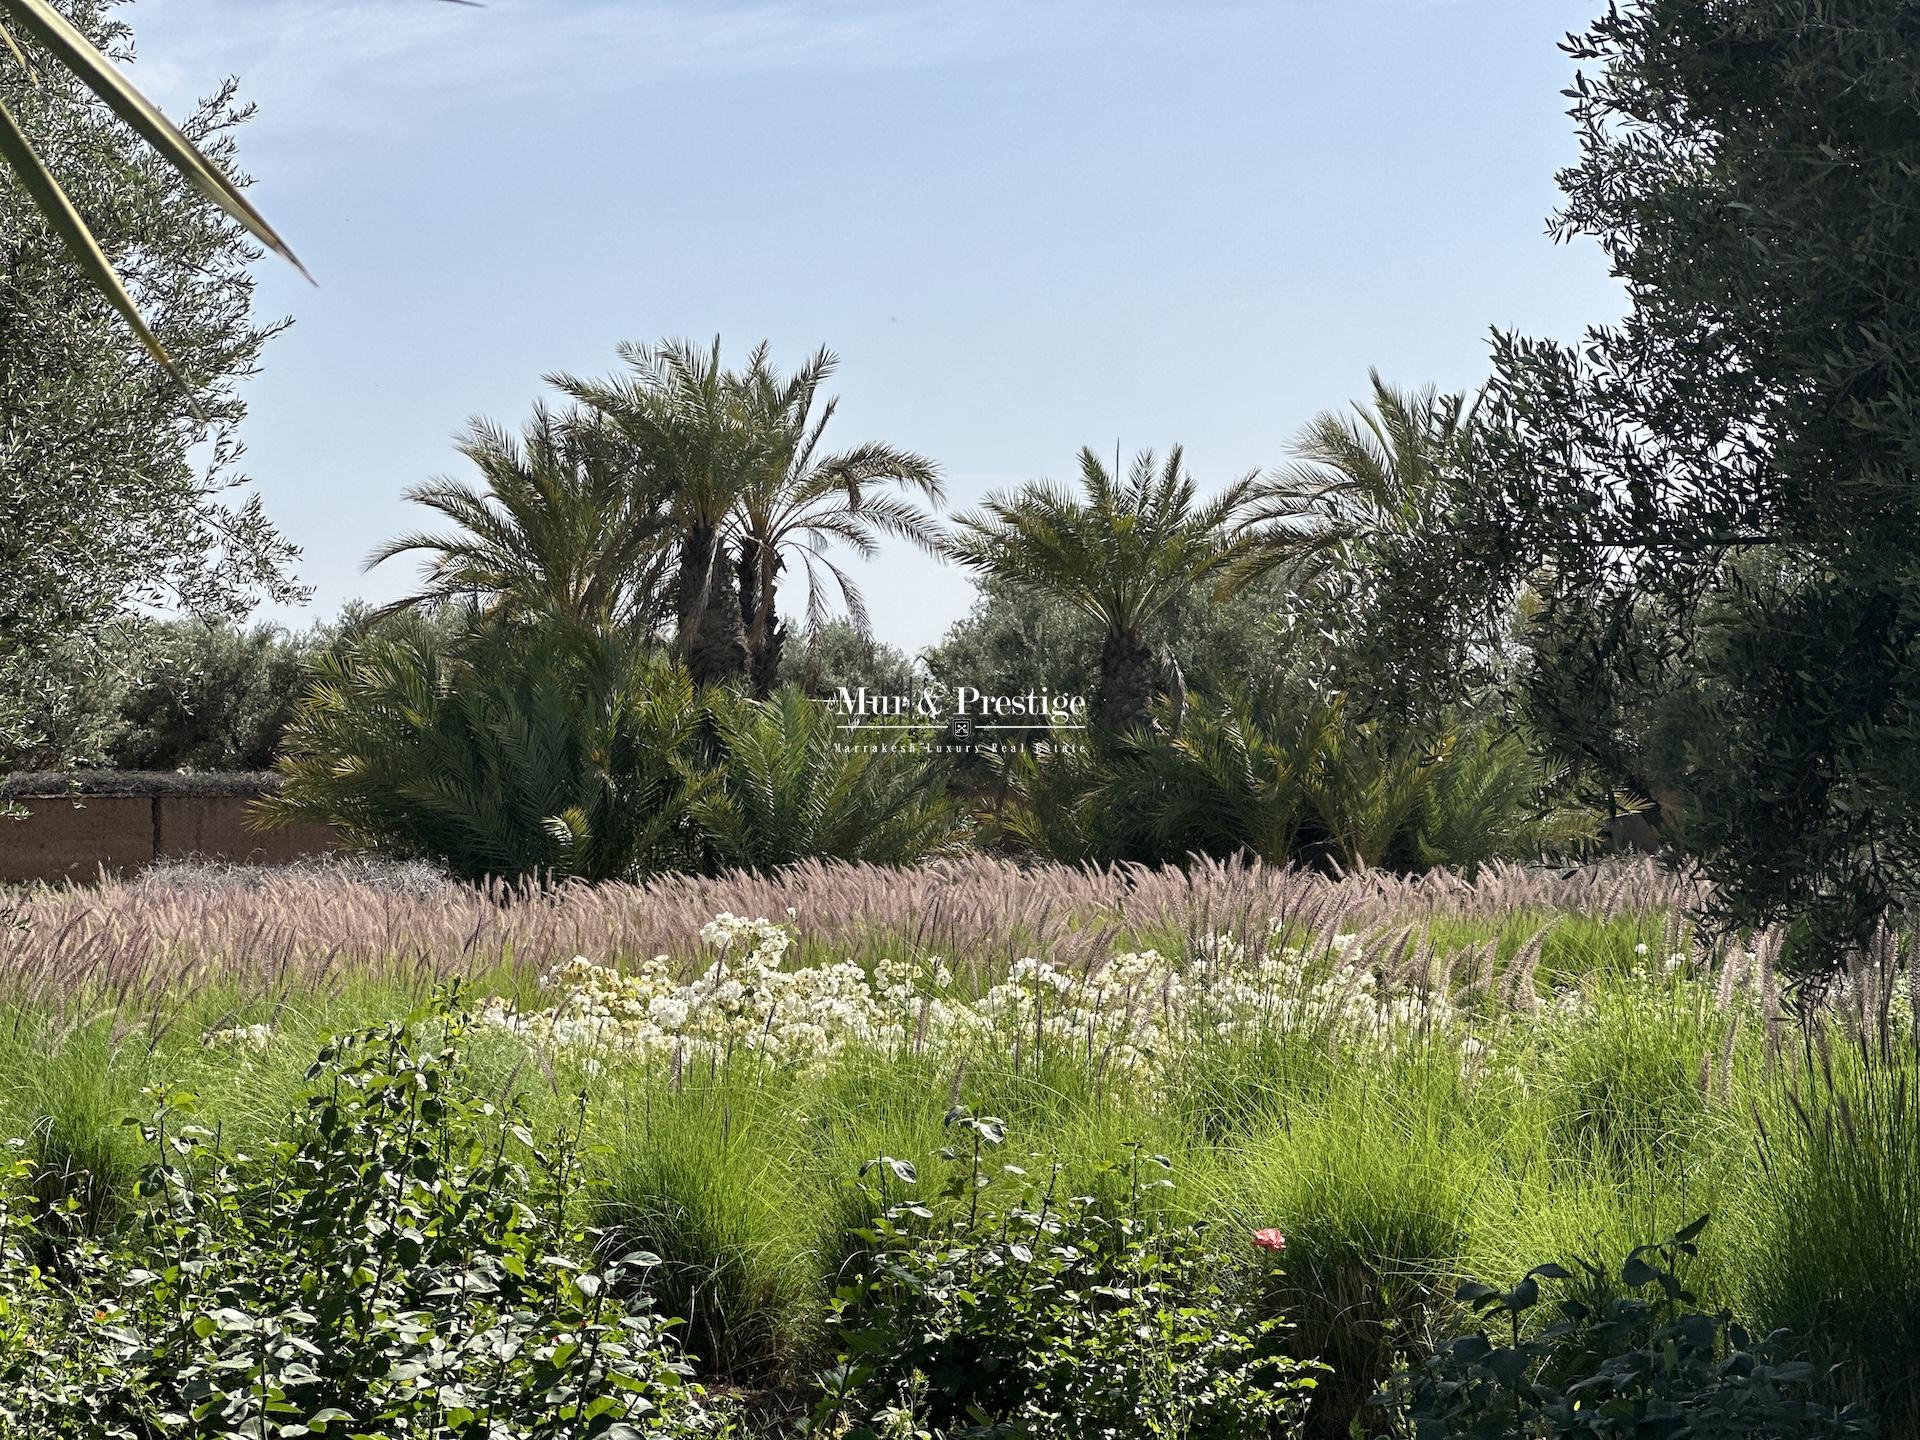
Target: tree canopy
[
  {"x": 1716, "y": 499},
  {"x": 118, "y": 487}
]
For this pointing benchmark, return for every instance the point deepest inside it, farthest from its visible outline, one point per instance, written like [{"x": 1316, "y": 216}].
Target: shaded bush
[
  {"x": 786, "y": 786},
  {"x": 170, "y": 695},
  {"x": 211, "y": 697},
  {"x": 835, "y": 653},
  {"x": 1620, "y": 1355},
  {"x": 525, "y": 752},
  {"x": 1827, "y": 1241},
  {"x": 1257, "y": 774},
  {"x": 1042, "y": 1315}
]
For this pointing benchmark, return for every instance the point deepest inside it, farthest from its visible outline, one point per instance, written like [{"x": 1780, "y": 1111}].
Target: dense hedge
[{"x": 37, "y": 784}]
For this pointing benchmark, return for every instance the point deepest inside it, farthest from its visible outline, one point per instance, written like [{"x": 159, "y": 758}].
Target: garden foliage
[
  {"x": 1407, "y": 1076},
  {"x": 1018, "y": 1310},
  {"x": 553, "y": 751},
  {"x": 1712, "y": 500},
  {"x": 1625, "y": 1355},
  {"x": 1264, "y": 773},
  {"x": 119, "y": 484},
  {"x": 406, "y": 1263}
]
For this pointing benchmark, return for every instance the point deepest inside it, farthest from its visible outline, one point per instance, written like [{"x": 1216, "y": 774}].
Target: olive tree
[
  {"x": 120, "y": 487},
  {"x": 1715, "y": 500}
]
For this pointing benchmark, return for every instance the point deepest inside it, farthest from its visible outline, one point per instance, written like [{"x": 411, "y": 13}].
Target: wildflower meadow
[{"x": 1340, "y": 1099}]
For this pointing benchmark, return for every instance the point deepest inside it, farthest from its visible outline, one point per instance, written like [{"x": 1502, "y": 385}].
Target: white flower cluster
[
  {"x": 743, "y": 1002},
  {"x": 1678, "y": 960},
  {"x": 240, "y": 1037},
  {"x": 1129, "y": 1014}
]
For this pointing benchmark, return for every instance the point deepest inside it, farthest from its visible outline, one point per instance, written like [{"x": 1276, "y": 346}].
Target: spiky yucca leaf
[{"x": 47, "y": 31}]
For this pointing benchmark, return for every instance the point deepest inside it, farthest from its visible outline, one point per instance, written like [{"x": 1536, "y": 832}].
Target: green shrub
[
  {"x": 1263, "y": 774},
  {"x": 211, "y": 697},
  {"x": 546, "y": 750},
  {"x": 834, "y": 653},
  {"x": 1377, "y": 1186},
  {"x": 1628, "y": 1357},
  {"x": 398, "y": 1266},
  {"x": 1043, "y": 1316},
  {"x": 1627, "y": 1074},
  {"x": 787, "y": 787},
  {"x": 687, "y": 1178},
  {"x": 67, "y": 1090},
  {"x": 528, "y": 751}
]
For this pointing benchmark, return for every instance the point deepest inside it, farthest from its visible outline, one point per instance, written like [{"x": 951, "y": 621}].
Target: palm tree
[
  {"x": 1363, "y": 515},
  {"x": 560, "y": 526},
  {"x": 680, "y": 419},
  {"x": 1359, "y": 476},
  {"x": 800, "y": 501},
  {"x": 1124, "y": 553}
]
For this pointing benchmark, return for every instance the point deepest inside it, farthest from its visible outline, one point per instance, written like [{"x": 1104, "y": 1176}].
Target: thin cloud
[{"x": 309, "y": 63}]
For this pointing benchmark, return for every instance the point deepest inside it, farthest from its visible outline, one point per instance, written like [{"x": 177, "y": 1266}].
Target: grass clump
[{"x": 1828, "y": 1221}]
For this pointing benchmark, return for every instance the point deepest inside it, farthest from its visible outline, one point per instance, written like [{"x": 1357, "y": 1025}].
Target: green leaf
[
  {"x": 1691, "y": 1232},
  {"x": 1509, "y": 1365}
]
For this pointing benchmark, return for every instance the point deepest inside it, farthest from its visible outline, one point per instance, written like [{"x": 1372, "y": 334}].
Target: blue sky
[{"x": 1026, "y": 225}]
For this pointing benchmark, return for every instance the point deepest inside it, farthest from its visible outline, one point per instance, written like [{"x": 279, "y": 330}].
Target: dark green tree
[
  {"x": 835, "y": 653},
  {"x": 211, "y": 697},
  {"x": 1717, "y": 498},
  {"x": 1014, "y": 640},
  {"x": 1358, "y": 519}
]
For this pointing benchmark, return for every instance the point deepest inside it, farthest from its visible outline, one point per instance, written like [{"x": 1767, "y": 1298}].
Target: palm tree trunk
[
  {"x": 773, "y": 631},
  {"x": 697, "y": 555},
  {"x": 766, "y": 636},
  {"x": 766, "y": 661},
  {"x": 747, "y": 575},
  {"x": 1123, "y": 693},
  {"x": 718, "y": 655}
]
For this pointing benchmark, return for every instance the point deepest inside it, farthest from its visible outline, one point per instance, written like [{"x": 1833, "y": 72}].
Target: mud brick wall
[
  {"x": 77, "y": 826},
  {"x": 74, "y": 839},
  {"x": 218, "y": 826}
]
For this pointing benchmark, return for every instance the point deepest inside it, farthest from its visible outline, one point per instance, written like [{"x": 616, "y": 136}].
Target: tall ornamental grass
[
  {"x": 1826, "y": 1225},
  {"x": 1429, "y": 1080}
]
